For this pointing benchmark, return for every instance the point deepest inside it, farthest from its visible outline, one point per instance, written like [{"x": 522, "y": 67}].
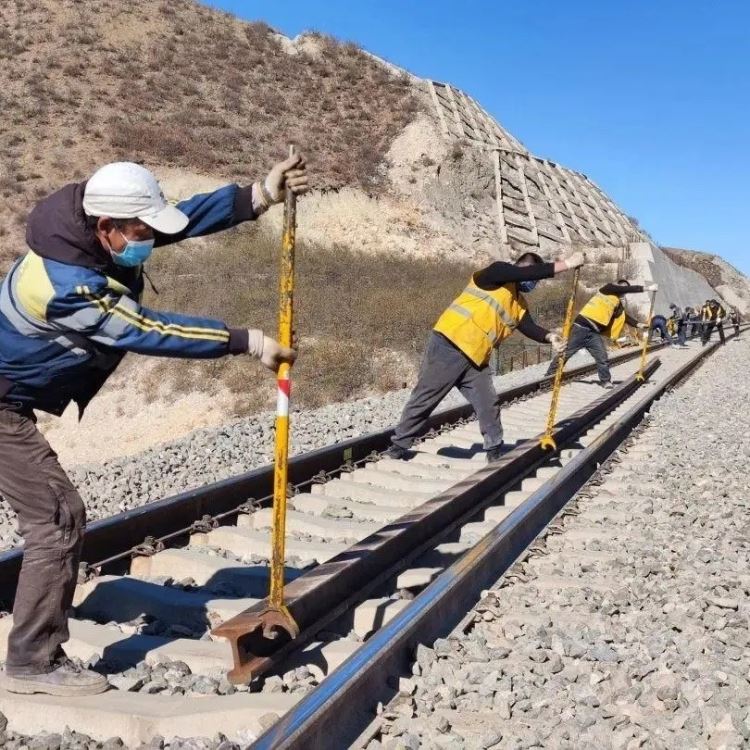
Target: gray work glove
[
  {"x": 557, "y": 342},
  {"x": 574, "y": 260},
  {"x": 291, "y": 173},
  {"x": 269, "y": 351}
]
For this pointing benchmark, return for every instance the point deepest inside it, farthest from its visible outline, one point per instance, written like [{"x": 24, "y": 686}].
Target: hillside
[
  {"x": 414, "y": 185},
  {"x": 728, "y": 281},
  {"x": 175, "y": 84}
]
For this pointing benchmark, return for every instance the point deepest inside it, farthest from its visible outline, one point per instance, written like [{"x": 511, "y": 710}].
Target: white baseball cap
[{"x": 125, "y": 190}]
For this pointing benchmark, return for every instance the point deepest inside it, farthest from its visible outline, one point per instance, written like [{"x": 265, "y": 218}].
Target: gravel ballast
[{"x": 630, "y": 629}]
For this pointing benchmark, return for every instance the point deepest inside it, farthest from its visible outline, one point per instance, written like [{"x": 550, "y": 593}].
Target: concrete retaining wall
[{"x": 676, "y": 283}]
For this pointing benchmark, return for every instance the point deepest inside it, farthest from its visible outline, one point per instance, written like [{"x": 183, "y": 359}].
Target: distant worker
[
  {"x": 458, "y": 350},
  {"x": 672, "y": 326},
  {"x": 736, "y": 320},
  {"x": 69, "y": 311},
  {"x": 603, "y": 315},
  {"x": 659, "y": 325},
  {"x": 705, "y": 317},
  {"x": 680, "y": 323},
  {"x": 714, "y": 314},
  {"x": 694, "y": 320}
]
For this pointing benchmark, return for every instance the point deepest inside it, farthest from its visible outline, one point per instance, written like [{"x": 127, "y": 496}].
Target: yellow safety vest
[
  {"x": 601, "y": 309},
  {"x": 479, "y": 320}
]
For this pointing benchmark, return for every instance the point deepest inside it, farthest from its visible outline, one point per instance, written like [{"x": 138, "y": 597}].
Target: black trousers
[
  {"x": 593, "y": 342},
  {"x": 51, "y": 519},
  {"x": 444, "y": 367},
  {"x": 708, "y": 329}
]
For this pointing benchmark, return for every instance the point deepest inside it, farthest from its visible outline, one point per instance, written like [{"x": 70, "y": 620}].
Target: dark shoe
[
  {"x": 398, "y": 453},
  {"x": 496, "y": 453},
  {"x": 66, "y": 680}
]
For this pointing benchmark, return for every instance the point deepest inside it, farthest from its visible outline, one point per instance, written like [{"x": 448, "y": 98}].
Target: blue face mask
[
  {"x": 134, "y": 253},
  {"x": 527, "y": 286}
]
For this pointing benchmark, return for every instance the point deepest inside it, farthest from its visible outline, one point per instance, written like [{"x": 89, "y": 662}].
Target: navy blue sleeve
[{"x": 211, "y": 212}]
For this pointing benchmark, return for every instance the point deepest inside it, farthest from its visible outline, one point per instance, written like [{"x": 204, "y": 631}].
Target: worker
[
  {"x": 69, "y": 311},
  {"x": 713, "y": 317},
  {"x": 659, "y": 324},
  {"x": 705, "y": 317},
  {"x": 458, "y": 348},
  {"x": 736, "y": 320},
  {"x": 671, "y": 325},
  {"x": 603, "y": 315},
  {"x": 694, "y": 318},
  {"x": 678, "y": 319}
]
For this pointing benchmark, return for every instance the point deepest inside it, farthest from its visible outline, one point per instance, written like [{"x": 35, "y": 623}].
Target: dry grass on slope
[
  {"x": 362, "y": 319},
  {"x": 177, "y": 84}
]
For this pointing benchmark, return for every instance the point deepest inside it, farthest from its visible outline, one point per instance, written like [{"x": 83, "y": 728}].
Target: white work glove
[
  {"x": 291, "y": 173},
  {"x": 269, "y": 351},
  {"x": 574, "y": 260},
  {"x": 652, "y": 288},
  {"x": 642, "y": 326},
  {"x": 557, "y": 342}
]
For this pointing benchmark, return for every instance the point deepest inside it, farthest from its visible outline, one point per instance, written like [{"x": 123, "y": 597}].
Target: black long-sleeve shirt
[
  {"x": 498, "y": 274},
  {"x": 618, "y": 290}
]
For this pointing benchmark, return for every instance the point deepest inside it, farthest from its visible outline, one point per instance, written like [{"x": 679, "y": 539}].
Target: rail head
[{"x": 341, "y": 706}]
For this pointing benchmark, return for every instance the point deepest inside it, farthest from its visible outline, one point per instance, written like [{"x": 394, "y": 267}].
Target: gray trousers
[
  {"x": 51, "y": 519},
  {"x": 582, "y": 337},
  {"x": 444, "y": 367}
]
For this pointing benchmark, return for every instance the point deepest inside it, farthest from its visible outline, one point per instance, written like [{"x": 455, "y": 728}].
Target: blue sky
[{"x": 650, "y": 99}]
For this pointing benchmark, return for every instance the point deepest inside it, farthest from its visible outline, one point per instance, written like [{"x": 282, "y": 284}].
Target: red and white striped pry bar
[{"x": 282, "y": 397}]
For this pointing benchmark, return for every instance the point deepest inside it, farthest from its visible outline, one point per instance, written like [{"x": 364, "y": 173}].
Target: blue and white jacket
[{"x": 68, "y": 314}]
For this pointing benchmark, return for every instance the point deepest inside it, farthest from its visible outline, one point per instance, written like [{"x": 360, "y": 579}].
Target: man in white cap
[{"x": 69, "y": 311}]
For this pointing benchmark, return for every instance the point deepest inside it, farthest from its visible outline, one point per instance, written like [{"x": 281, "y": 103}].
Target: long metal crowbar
[
  {"x": 640, "y": 376},
  {"x": 276, "y": 619},
  {"x": 547, "y": 442}
]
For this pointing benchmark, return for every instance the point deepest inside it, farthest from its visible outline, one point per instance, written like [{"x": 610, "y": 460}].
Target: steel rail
[
  {"x": 319, "y": 596},
  {"x": 343, "y": 705},
  {"x": 113, "y": 539}
]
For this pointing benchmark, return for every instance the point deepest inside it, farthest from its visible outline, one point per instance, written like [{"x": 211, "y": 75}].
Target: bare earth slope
[{"x": 175, "y": 84}]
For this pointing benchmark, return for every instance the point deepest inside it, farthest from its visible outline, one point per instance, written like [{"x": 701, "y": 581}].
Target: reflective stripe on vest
[
  {"x": 505, "y": 316},
  {"x": 478, "y": 319}
]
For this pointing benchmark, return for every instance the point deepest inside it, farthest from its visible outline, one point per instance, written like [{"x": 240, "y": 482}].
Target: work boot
[
  {"x": 398, "y": 453},
  {"x": 66, "y": 680},
  {"x": 607, "y": 385},
  {"x": 496, "y": 453}
]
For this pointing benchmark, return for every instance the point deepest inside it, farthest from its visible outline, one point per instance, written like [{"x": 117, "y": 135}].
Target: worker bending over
[
  {"x": 713, "y": 317},
  {"x": 69, "y": 311},
  {"x": 679, "y": 320},
  {"x": 603, "y": 315},
  {"x": 458, "y": 349},
  {"x": 659, "y": 323}
]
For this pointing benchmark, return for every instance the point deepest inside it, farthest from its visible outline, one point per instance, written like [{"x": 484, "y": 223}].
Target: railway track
[{"x": 382, "y": 555}]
